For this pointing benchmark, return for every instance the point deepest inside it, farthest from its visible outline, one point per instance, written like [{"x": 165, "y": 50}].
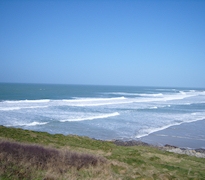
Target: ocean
[{"x": 151, "y": 114}]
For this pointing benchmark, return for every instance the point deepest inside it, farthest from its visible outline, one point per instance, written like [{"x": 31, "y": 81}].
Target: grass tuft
[{"x": 20, "y": 160}]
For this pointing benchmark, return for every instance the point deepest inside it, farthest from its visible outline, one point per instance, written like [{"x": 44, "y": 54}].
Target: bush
[{"x": 20, "y": 158}]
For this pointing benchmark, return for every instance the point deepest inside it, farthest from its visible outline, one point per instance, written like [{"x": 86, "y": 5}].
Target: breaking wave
[
  {"x": 92, "y": 117},
  {"x": 30, "y": 124}
]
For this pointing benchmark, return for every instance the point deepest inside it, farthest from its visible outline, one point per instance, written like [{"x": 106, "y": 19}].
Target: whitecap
[
  {"x": 28, "y": 101},
  {"x": 38, "y": 101},
  {"x": 102, "y": 116},
  {"x": 19, "y": 108},
  {"x": 82, "y": 102},
  {"x": 154, "y": 107},
  {"x": 152, "y": 95},
  {"x": 146, "y": 132},
  {"x": 35, "y": 123},
  {"x": 9, "y": 108}
]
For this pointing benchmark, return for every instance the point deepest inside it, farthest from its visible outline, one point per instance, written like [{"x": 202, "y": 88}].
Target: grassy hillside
[{"x": 38, "y": 155}]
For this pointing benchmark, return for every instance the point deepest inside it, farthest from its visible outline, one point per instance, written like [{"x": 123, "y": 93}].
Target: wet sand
[{"x": 187, "y": 135}]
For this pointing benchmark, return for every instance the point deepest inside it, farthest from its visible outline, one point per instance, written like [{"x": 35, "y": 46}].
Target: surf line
[{"x": 92, "y": 117}]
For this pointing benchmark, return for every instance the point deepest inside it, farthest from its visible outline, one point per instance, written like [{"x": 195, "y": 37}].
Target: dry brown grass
[{"x": 21, "y": 161}]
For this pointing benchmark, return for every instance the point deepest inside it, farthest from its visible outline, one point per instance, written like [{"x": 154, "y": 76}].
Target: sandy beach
[{"x": 177, "y": 136}]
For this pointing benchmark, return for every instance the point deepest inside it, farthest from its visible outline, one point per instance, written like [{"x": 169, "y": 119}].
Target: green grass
[{"x": 130, "y": 162}]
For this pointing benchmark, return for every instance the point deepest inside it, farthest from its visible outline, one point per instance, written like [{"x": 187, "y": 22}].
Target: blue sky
[{"x": 115, "y": 42}]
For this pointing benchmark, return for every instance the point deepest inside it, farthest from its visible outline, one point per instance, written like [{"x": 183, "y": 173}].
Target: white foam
[
  {"x": 92, "y": 117},
  {"x": 36, "y": 123},
  {"x": 146, "y": 98},
  {"x": 192, "y": 138},
  {"x": 162, "y": 135},
  {"x": 127, "y": 106},
  {"x": 123, "y": 93},
  {"x": 38, "y": 101},
  {"x": 153, "y": 107},
  {"x": 19, "y": 108},
  {"x": 83, "y": 102},
  {"x": 137, "y": 94},
  {"x": 152, "y": 95},
  {"x": 182, "y": 92},
  {"x": 95, "y": 101},
  {"x": 166, "y": 89},
  {"x": 9, "y": 108},
  {"x": 28, "y": 101},
  {"x": 148, "y": 131},
  {"x": 159, "y": 97},
  {"x": 29, "y": 124}
]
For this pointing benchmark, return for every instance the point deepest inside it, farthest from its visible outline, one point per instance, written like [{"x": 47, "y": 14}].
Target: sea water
[{"x": 101, "y": 112}]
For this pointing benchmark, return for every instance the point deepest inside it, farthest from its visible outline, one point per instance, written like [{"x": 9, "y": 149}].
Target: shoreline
[
  {"x": 187, "y": 135},
  {"x": 173, "y": 139},
  {"x": 197, "y": 152}
]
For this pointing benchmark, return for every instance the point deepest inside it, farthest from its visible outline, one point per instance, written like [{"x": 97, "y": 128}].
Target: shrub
[{"x": 20, "y": 159}]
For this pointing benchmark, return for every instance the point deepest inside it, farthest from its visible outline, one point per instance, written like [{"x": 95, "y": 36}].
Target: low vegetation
[
  {"x": 22, "y": 160},
  {"x": 38, "y": 155}
]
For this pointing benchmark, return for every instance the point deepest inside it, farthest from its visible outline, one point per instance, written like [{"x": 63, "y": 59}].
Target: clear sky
[{"x": 104, "y": 42}]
